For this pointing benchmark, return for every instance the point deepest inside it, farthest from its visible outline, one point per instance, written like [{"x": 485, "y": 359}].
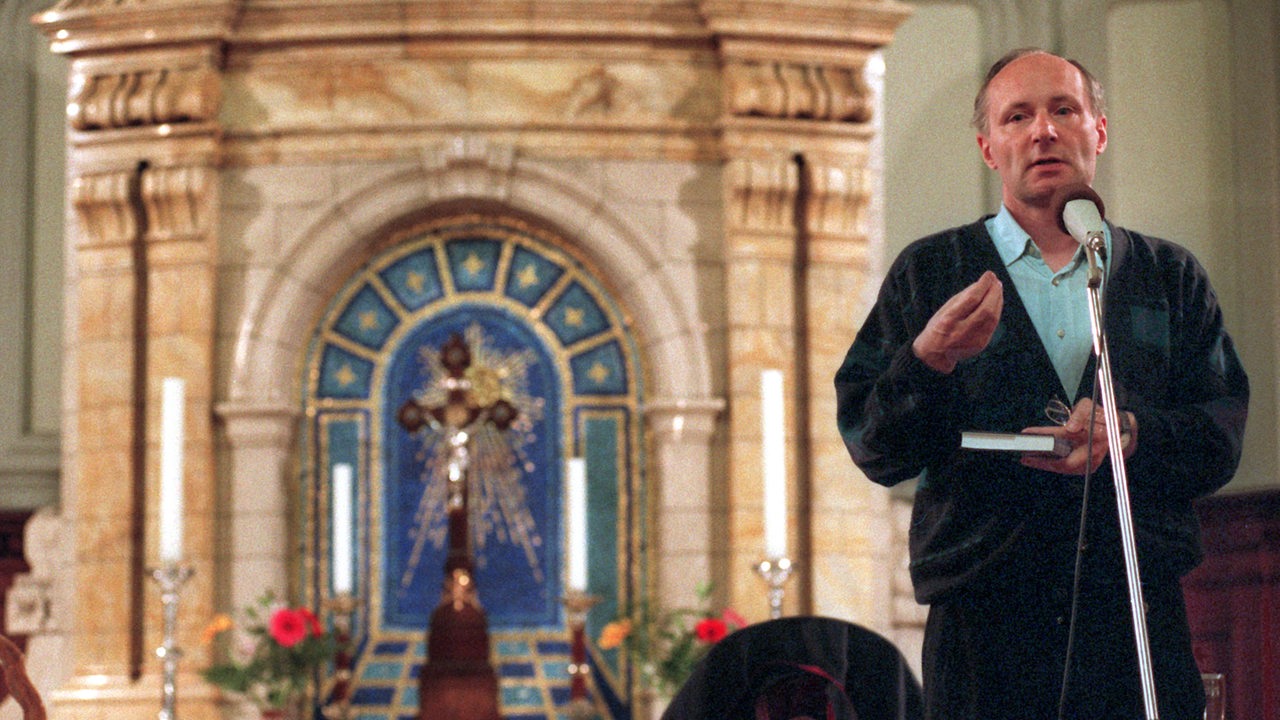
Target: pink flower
[
  {"x": 733, "y": 619},
  {"x": 711, "y": 630},
  {"x": 288, "y": 627},
  {"x": 313, "y": 622}
]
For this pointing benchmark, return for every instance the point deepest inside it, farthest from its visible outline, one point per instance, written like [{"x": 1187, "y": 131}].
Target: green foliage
[
  {"x": 666, "y": 644},
  {"x": 275, "y": 656}
]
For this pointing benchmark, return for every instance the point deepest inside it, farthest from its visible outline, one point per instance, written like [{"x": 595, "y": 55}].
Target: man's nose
[{"x": 1043, "y": 127}]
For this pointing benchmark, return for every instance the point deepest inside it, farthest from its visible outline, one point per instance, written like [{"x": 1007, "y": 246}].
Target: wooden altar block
[{"x": 458, "y": 682}]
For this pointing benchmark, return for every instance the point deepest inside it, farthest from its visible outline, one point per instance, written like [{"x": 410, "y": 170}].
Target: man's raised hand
[{"x": 963, "y": 326}]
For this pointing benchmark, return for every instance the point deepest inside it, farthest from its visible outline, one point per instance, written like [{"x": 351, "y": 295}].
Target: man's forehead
[{"x": 1036, "y": 78}]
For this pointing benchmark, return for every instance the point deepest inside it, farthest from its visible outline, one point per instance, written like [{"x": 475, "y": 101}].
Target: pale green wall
[{"x": 32, "y": 102}]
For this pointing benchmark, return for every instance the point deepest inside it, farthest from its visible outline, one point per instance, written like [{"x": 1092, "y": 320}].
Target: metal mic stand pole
[{"x": 1111, "y": 415}]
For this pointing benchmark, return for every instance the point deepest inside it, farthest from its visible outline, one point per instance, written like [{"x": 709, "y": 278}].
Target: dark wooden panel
[
  {"x": 12, "y": 561},
  {"x": 1233, "y": 600}
]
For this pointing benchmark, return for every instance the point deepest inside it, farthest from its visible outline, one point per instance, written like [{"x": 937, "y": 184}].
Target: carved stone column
[
  {"x": 795, "y": 135},
  {"x": 850, "y": 522},
  {"x": 260, "y": 440},
  {"x": 682, "y": 433},
  {"x": 109, "y": 446},
  {"x": 142, "y": 153},
  {"x": 760, "y": 282}
]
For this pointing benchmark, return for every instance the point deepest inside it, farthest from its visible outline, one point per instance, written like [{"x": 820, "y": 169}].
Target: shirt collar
[{"x": 1012, "y": 242}]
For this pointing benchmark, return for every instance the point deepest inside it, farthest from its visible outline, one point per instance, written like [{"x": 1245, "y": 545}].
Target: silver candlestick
[
  {"x": 170, "y": 576},
  {"x": 578, "y": 603},
  {"x": 776, "y": 572},
  {"x": 343, "y": 607}
]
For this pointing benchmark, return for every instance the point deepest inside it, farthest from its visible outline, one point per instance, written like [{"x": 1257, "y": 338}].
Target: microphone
[{"x": 1079, "y": 211}]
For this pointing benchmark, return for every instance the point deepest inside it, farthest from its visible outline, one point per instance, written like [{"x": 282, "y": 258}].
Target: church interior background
[{"x": 627, "y": 210}]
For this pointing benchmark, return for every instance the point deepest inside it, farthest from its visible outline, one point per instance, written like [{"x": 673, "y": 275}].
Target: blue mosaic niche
[
  {"x": 531, "y": 310},
  {"x": 518, "y": 558}
]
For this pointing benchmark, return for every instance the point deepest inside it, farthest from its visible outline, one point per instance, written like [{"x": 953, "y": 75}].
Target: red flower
[
  {"x": 288, "y": 627},
  {"x": 313, "y": 622},
  {"x": 711, "y": 630}
]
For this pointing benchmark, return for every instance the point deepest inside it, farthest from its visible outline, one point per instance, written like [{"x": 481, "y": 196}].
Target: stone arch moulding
[{"x": 454, "y": 172}]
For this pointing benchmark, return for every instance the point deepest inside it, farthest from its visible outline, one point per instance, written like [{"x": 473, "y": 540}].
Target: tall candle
[
  {"x": 343, "y": 558},
  {"x": 172, "y": 414},
  {"x": 774, "y": 460},
  {"x": 576, "y": 523}
]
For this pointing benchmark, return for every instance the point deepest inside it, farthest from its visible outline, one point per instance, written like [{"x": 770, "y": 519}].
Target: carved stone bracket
[
  {"x": 794, "y": 90},
  {"x": 760, "y": 195},
  {"x": 109, "y": 99},
  {"x": 488, "y": 166},
  {"x": 178, "y": 202},
  {"x": 836, "y": 199},
  {"x": 105, "y": 204}
]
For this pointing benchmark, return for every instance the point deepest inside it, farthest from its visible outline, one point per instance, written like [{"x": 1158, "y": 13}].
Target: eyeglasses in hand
[{"x": 1057, "y": 412}]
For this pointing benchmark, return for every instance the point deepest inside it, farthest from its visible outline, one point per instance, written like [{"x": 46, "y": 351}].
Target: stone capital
[{"x": 676, "y": 419}]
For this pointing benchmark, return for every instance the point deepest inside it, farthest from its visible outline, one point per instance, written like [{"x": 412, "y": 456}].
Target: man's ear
[
  {"x": 1102, "y": 133},
  {"x": 985, "y": 146}
]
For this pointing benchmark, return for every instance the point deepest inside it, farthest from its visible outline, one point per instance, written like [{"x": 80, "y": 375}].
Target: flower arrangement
[
  {"x": 275, "y": 657},
  {"x": 666, "y": 644}
]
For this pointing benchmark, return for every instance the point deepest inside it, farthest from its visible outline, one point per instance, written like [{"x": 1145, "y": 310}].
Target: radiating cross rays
[{"x": 498, "y": 459}]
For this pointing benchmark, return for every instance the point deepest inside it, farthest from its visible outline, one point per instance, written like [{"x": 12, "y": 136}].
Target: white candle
[
  {"x": 774, "y": 460},
  {"x": 171, "y": 445},
  {"x": 343, "y": 558},
  {"x": 576, "y": 523}
]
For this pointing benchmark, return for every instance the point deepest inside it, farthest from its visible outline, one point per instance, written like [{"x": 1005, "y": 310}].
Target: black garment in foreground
[
  {"x": 985, "y": 663},
  {"x": 790, "y": 660}
]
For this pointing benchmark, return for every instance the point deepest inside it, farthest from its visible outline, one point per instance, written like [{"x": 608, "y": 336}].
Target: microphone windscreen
[
  {"x": 1078, "y": 191},
  {"x": 1082, "y": 219}
]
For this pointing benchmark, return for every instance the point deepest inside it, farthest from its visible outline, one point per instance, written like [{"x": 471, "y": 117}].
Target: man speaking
[{"x": 986, "y": 327}]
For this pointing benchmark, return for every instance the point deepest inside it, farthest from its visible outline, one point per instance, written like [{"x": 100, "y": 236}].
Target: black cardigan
[{"x": 981, "y": 518}]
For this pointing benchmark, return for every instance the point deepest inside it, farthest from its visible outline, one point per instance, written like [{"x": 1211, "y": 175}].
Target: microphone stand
[{"x": 1096, "y": 251}]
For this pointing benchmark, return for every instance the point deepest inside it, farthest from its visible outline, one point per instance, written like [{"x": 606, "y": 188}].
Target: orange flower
[
  {"x": 614, "y": 633},
  {"x": 218, "y": 625}
]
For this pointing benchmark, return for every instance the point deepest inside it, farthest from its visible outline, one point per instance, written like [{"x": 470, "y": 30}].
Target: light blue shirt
[{"x": 1058, "y": 303}]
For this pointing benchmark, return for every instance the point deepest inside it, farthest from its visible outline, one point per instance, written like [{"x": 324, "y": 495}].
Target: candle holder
[
  {"x": 170, "y": 576},
  {"x": 775, "y": 571},
  {"x": 342, "y": 607},
  {"x": 578, "y": 603}
]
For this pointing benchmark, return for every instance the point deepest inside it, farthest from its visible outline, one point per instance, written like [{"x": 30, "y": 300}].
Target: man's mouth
[{"x": 1045, "y": 161}]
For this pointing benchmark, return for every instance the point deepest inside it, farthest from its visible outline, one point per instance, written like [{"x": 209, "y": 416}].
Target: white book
[{"x": 1014, "y": 442}]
